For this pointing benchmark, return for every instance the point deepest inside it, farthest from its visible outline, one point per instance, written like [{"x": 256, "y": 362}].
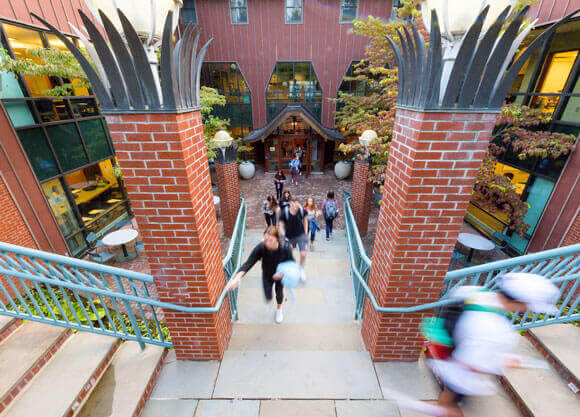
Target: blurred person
[
  {"x": 279, "y": 180},
  {"x": 330, "y": 211},
  {"x": 312, "y": 215},
  {"x": 295, "y": 169},
  {"x": 272, "y": 251},
  {"x": 269, "y": 208},
  {"x": 294, "y": 226}
]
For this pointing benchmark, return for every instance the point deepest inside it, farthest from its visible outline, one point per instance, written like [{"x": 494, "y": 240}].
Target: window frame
[
  {"x": 196, "y": 20},
  {"x": 239, "y": 7},
  {"x": 341, "y": 18},
  {"x": 286, "y": 7}
]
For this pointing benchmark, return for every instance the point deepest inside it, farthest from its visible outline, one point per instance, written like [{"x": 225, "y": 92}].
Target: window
[
  {"x": 39, "y": 154},
  {"x": 229, "y": 81},
  {"x": 348, "y": 10},
  {"x": 293, "y": 11},
  {"x": 294, "y": 82},
  {"x": 188, "y": 13},
  {"x": 352, "y": 86},
  {"x": 239, "y": 11},
  {"x": 396, "y": 5}
]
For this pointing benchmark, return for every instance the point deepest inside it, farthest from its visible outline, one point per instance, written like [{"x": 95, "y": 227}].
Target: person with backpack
[
  {"x": 295, "y": 169},
  {"x": 269, "y": 208},
  {"x": 472, "y": 340},
  {"x": 330, "y": 212},
  {"x": 294, "y": 226}
]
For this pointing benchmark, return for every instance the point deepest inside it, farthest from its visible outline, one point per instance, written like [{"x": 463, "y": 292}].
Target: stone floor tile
[
  {"x": 297, "y": 408},
  {"x": 185, "y": 379},
  {"x": 366, "y": 408},
  {"x": 410, "y": 378},
  {"x": 227, "y": 408},
  {"x": 169, "y": 408}
]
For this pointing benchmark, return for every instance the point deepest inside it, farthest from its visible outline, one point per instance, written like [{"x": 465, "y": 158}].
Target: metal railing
[
  {"x": 561, "y": 266},
  {"x": 85, "y": 296}
]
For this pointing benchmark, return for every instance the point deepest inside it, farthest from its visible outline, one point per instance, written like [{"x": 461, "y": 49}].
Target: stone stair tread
[
  {"x": 25, "y": 346},
  {"x": 6, "y": 322},
  {"x": 543, "y": 392},
  {"x": 54, "y": 389},
  {"x": 119, "y": 391},
  {"x": 562, "y": 341}
]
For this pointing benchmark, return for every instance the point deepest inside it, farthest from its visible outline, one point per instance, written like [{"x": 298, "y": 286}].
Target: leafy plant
[{"x": 209, "y": 98}]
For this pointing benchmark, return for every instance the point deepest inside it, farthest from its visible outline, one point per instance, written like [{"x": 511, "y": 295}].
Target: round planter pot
[
  {"x": 342, "y": 169},
  {"x": 246, "y": 170}
]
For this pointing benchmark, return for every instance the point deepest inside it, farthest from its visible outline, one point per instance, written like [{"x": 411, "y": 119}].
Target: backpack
[
  {"x": 330, "y": 210},
  {"x": 286, "y": 214}
]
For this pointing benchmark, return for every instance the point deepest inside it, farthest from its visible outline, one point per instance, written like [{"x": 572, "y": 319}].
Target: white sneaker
[
  {"x": 302, "y": 275},
  {"x": 279, "y": 316}
]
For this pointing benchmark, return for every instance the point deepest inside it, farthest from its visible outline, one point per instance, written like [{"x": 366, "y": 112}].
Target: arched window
[
  {"x": 294, "y": 83},
  {"x": 228, "y": 80}
]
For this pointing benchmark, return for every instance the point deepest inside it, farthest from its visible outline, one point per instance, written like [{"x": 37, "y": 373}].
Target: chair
[
  {"x": 458, "y": 257},
  {"x": 100, "y": 257},
  {"x": 93, "y": 241},
  {"x": 139, "y": 246},
  {"x": 498, "y": 236}
]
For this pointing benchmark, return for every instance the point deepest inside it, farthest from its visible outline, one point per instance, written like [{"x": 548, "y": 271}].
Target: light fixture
[
  {"x": 367, "y": 137},
  {"x": 222, "y": 139}
]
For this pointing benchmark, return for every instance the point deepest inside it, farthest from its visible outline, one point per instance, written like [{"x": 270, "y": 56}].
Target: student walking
[
  {"x": 330, "y": 212},
  {"x": 284, "y": 201},
  {"x": 294, "y": 226},
  {"x": 272, "y": 251},
  {"x": 295, "y": 169},
  {"x": 269, "y": 208},
  {"x": 312, "y": 214},
  {"x": 279, "y": 181}
]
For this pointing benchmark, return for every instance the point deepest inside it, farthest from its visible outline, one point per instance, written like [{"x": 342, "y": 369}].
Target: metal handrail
[
  {"x": 561, "y": 266},
  {"x": 87, "y": 296}
]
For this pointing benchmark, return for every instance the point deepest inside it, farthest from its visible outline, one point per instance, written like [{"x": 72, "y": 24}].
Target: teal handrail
[
  {"x": 561, "y": 266},
  {"x": 81, "y": 295}
]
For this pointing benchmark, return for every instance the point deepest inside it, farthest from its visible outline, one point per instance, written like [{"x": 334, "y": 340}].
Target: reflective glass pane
[
  {"x": 517, "y": 177},
  {"x": 556, "y": 73},
  {"x": 294, "y": 14},
  {"x": 60, "y": 206},
  {"x": 67, "y": 145},
  {"x": 83, "y": 107},
  {"x": 238, "y": 3},
  {"x": 52, "y": 110},
  {"x": 572, "y": 110},
  {"x": 95, "y": 139},
  {"x": 240, "y": 15},
  {"x": 39, "y": 154}
]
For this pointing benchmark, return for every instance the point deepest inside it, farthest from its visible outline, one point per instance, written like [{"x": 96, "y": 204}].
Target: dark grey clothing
[
  {"x": 293, "y": 223},
  {"x": 270, "y": 259}
]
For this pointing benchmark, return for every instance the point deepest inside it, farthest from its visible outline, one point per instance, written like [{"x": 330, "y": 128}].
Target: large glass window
[
  {"x": 294, "y": 82},
  {"x": 239, "y": 11},
  {"x": 348, "y": 10},
  {"x": 95, "y": 139},
  {"x": 293, "y": 11},
  {"x": 188, "y": 14},
  {"x": 229, "y": 81},
  {"x": 352, "y": 86},
  {"x": 67, "y": 145},
  {"x": 39, "y": 154}
]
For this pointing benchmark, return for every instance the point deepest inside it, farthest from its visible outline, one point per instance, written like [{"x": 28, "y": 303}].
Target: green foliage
[{"x": 209, "y": 97}]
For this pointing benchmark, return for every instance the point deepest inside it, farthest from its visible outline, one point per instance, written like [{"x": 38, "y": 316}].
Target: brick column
[
  {"x": 164, "y": 163},
  {"x": 573, "y": 234},
  {"x": 229, "y": 192},
  {"x": 362, "y": 195},
  {"x": 433, "y": 163}
]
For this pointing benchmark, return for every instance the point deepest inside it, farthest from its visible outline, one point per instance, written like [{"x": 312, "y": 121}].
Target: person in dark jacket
[
  {"x": 272, "y": 252},
  {"x": 279, "y": 181}
]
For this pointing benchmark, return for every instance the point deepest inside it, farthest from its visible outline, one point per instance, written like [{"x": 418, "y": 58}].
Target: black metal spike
[
  {"x": 168, "y": 82},
  {"x": 142, "y": 66},
  {"x": 433, "y": 78},
  {"x": 178, "y": 86},
  {"x": 118, "y": 91},
  {"x": 421, "y": 64},
  {"x": 498, "y": 95},
  {"x": 464, "y": 57},
  {"x": 125, "y": 63},
  {"x": 189, "y": 34},
  {"x": 477, "y": 66},
  {"x": 192, "y": 71},
  {"x": 400, "y": 67},
  {"x": 404, "y": 93},
  {"x": 198, "y": 63},
  {"x": 414, "y": 70},
  {"x": 495, "y": 62}
]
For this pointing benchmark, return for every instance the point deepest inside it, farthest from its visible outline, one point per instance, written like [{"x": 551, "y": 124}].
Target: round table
[
  {"x": 120, "y": 237},
  {"x": 474, "y": 242}
]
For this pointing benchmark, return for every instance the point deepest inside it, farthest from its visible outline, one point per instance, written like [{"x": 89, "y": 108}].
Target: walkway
[{"x": 314, "y": 364}]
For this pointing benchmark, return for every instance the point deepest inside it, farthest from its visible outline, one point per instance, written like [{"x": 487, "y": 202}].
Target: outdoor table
[
  {"x": 120, "y": 238},
  {"x": 474, "y": 242}
]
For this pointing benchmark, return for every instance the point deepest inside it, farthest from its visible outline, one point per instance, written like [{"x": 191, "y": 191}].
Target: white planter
[
  {"x": 342, "y": 169},
  {"x": 246, "y": 170}
]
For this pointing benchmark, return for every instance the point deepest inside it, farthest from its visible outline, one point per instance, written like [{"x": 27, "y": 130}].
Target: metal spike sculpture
[
  {"x": 478, "y": 79},
  {"x": 125, "y": 83}
]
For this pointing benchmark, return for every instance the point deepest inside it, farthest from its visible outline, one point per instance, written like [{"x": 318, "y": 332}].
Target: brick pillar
[
  {"x": 164, "y": 163},
  {"x": 229, "y": 192},
  {"x": 433, "y": 163},
  {"x": 573, "y": 234},
  {"x": 362, "y": 195}
]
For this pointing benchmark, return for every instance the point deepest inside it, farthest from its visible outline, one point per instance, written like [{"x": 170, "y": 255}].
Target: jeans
[
  {"x": 312, "y": 227},
  {"x": 328, "y": 227},
  {"x": 270, "y": 219},
  {"x": 279, "y": 192}
]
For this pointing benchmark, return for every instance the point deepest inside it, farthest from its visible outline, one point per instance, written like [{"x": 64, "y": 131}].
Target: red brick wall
[
  {"x": 164, "y": 163},
  {"x": 433, "y": 163},
  {"x": 573, "y": 234},
  {"x": 362, "y": 194},
  {"x": 229, "y": 193},
  {"x": 13, "y": 228}
]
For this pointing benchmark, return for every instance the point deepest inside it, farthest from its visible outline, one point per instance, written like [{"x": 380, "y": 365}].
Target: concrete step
[
  {"x": 7, "y": 326},
  {"x": 60, "y": 388},
  {"x": 559, "y": 342},
  {"x": 127, "y": 383},
  {"x": 540, "y": 393},
  {"x": 24, "y": 353}
]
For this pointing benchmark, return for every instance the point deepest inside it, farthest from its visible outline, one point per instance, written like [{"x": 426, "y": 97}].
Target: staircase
[{"x": 50, "y": 371}]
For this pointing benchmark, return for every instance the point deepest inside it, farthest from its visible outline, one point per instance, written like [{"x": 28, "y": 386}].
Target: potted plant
[
  {"x": 343, "y": 166},
  {"x": 246, "y": 168}
]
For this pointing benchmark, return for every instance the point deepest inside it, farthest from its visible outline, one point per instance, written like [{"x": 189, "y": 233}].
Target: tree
[{"x": 209, "y": 98}]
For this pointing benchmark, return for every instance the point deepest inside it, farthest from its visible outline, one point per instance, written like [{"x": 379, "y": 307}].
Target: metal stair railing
[
  {"x": 561, "y": 266},
  {"x": 86, "y": 296}
]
